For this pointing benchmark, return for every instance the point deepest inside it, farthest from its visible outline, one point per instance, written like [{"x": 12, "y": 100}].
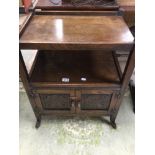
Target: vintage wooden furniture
[
  {"x": 76, "y": 71},
  {"x": 73, "y": 5},
  {"x": 127, "y": 7}
]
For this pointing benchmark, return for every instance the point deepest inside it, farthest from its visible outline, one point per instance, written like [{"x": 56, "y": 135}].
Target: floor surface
[{"x": 75, "y": 136}]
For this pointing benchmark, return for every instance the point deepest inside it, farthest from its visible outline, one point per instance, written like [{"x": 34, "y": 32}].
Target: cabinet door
[
  {"x": 56, "y": 101},
  {"x": 94, "y": 101}
]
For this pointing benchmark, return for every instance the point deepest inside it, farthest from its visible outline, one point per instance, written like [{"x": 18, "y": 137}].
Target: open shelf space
[{"x": 75, "y": 67}]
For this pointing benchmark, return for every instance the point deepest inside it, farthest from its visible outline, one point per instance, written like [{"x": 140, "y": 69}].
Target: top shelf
[
  {"x": 77, "y": 5},
  {"x": 56, "y": 32}
]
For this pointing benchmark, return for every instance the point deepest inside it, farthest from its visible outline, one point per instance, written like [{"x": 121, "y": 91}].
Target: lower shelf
[{"x": 75, "y": 67}]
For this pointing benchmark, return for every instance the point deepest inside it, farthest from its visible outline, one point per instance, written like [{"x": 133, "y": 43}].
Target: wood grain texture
[
  {"x": 77, "y": 12},
  {"x": 126, "y": 3},
  {"x": 69, "y": 5},
  {"x": 129, "y": 11},
  {"x": 67, "y": 32},
  {"x": 69, "y": 47},
  {"x": 94, "y": 66}
]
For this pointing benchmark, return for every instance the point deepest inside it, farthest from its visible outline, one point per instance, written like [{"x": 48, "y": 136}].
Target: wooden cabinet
[
  {"x": 76, "y": 71},
  {"x": 74, "y": 101}
]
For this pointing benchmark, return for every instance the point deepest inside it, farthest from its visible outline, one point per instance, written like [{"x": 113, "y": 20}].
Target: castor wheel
[
  {"x": 113, "y": 124},
  {"x": 38, "y": 123}
]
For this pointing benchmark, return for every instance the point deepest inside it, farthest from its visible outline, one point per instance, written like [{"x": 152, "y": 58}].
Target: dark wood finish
[
  {"x": 129, "y": 11},
  {"x": 128, "y": 69},
  {"x": 105, "y": 85},
  {"x": 26, "y": 22},
  {"x": 25, "y": 79},
  {"x": 117, "y": 64},
  {"x": 87, "y": 100},
  {"x": 38, "y": 122},
  {"x": 78, "y": 13},
  {"x": 92, "y": 66},
  {"x": 132, "y": 90},
  {"x": 57, "y": 100},
  {"x": 125, "y": 81},
  {"x": 66, "y": 81},
  {"x": 67, "y": 32},
  {"x": 77, "y": 5},
  {"x": 128, "y": 5}
]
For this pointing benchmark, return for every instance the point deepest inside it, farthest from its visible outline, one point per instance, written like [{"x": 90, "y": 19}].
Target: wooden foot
[
  {"x": 38, "y": 123},
  {"x": 112, "y": 121},
  {"x": 113, "y": 124},
  {"x": 132, "y": 91}
]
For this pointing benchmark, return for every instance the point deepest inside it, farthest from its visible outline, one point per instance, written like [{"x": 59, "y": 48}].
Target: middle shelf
[{"x": 75, "y": 68}]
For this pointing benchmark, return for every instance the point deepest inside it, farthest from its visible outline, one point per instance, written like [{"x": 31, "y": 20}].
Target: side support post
[
  {"x": 130, "y": 65},
  {"x": 25, "y": 79}
]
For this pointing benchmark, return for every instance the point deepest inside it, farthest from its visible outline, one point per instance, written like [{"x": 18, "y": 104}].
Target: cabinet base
[{"x": 38, "y": 123}]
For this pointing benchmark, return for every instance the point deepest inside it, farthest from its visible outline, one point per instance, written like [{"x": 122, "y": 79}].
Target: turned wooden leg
[
  {"x": 38, "y": 122},
  {"x": 112, "y": 120}
]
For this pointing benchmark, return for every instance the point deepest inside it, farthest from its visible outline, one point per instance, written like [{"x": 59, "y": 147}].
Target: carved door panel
[
  {"x": 56, "y": 100},
  {"x": 94, "y": 101}
]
